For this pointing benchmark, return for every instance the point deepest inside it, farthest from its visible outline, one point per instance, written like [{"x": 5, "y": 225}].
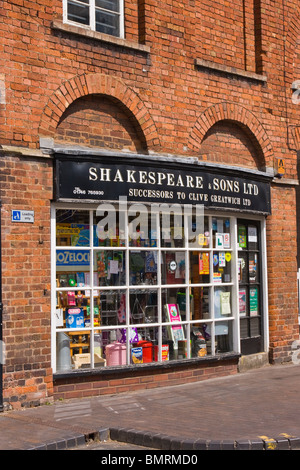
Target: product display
[{"x": 141, "y": 300}]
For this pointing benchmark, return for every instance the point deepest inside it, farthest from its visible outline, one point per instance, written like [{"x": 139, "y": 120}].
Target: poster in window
[
  {"x": 203, "y": 263},
  {"x": 253, "y": 301},
  {"x": 242, "y": 302},
  {"x": 176, "y": 331},
  {"x": 226, "y": 240},
  {"x": 222, "y": 259},
  {"x": 219, "y": 241},
  {"x": 217, "y": 278},
  {"x": 253, "y": 267},
  {"x": 225, "y": 303},
  {"x": 252, "y": 237}
]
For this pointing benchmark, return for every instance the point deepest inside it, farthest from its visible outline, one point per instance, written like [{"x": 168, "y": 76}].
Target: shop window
[
  {"x": 105, "y": 16},
  {"x": 127, "y": 293}
]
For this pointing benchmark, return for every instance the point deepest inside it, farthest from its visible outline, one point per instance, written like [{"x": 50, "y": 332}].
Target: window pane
[
  {"x": 200, "y": 341},
  {"x": 221, "y": 266},
  {"x": 108, "y": 23},
  {"x": 244, "y": 332},
  {"x": 145, "y": 349},
  {"x": 142, "y": 228},
  {"x": 173, "y": 296},
  {"x": 222, "y": 302},
  {"x": 78, "y": 13},
  {"x": 109, "y": 228},
  {"x": 72, "y": 228},
  {"x": 173, "y": 267},
  {"x": 143, "y": 306},
  {"x": 73, "y": 309},
  {"x": 171, "y": 228},
  {"x": 199, "y": 267},
  {"x": 143, "y": 267},
  {"x": 110, "y": 307},
  {"x": 255, "y": 329},
  {"x": 182, "y": 352},
  {"x": 109, "y": 268},
  {"x": 223, "y": 337},
  {"x": 201, "y": 229},
  {"x": 200, "y": 303},
  {"x": 112, "y": 5},
  {"x": 221, "y": 232}
]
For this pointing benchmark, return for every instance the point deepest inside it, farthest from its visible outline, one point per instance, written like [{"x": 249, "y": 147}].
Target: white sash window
[{"x": 104, "y": 16}]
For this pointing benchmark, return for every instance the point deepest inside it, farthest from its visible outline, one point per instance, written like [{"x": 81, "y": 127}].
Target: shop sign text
[{"x": 107, "y": 182}]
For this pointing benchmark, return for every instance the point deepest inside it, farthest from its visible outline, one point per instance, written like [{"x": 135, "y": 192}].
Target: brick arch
[
  {"x": 234, "y": 113},
  {"x": 91, "y": 84}
]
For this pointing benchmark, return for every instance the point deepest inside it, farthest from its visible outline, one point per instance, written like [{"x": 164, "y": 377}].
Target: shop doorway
[{"x": 250, "y": 287}]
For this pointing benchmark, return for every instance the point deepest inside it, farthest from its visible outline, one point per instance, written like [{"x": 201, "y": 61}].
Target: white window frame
[
  {"x": 233, "y": 318},
  {"x": 92, "y": 25}
]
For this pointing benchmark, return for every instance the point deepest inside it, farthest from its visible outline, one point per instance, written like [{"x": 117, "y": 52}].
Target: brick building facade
[{"x": 198, "y": 86}]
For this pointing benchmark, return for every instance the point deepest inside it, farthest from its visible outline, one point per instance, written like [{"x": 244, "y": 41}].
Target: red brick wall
[
  {"x": 139, "y": 380},
  {"x": 282, "y": 283},
  {"x": 233, "y": 41},
  {"x": 51, "y": 78},
  {"x": 26, "y": 185},
  {"x": 37, "y": 60}
]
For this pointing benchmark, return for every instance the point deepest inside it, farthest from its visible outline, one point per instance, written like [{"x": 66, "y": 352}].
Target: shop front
[{"x": 156, "y": 264}]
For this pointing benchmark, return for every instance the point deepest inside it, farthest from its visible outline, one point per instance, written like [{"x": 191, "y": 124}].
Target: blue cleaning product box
[{"x": 74, "y": 318}]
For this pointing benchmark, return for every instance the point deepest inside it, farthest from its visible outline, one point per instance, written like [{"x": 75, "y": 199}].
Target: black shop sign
[{"x": 147, "y": 181}]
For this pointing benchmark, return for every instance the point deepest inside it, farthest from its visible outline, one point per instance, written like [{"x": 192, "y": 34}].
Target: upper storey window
[{"x": 104, "y": 16}]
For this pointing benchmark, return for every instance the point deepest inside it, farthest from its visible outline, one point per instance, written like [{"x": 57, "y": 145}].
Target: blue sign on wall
[
  {"x": 22, "y": 216},
  {"x": 72, "y": 258}
]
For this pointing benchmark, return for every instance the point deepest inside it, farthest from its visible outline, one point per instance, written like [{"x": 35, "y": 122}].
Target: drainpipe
[{"x": 1, "y": 312}]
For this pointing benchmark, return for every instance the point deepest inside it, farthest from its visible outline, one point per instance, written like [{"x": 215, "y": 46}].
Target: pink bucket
[{"x": 115, "y": 354}]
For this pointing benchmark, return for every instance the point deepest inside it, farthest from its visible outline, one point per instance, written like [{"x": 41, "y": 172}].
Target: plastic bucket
[
  {"x": 147, "y": 350},
  {"x": 115, "y": 354}
]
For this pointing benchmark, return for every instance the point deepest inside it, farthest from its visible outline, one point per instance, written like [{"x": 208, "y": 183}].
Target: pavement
[{"x": 254, "y": 410}]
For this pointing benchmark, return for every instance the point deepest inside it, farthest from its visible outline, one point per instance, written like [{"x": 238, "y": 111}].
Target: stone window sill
[
  {"x": 153, "y": 366},
  {"x": 88, "y": 33},
  {"x": 206, "y": 64}
]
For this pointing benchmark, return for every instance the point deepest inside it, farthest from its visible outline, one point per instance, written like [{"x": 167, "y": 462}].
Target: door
[{"x": 250, "y": 287}]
